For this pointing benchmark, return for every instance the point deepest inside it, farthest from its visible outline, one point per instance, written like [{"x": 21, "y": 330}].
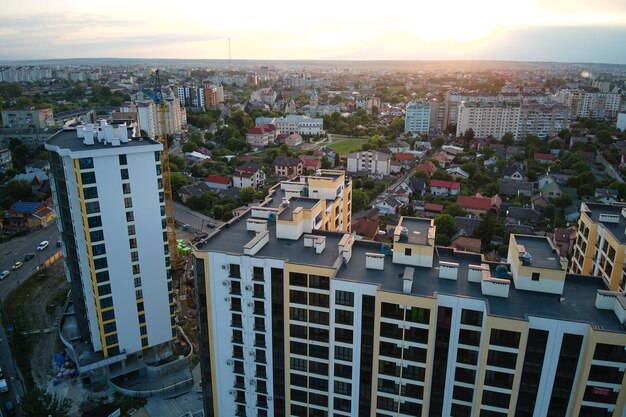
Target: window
[
  {"x": 343, "y": 353},
  {"x": 234, "y": 271},
  {"x": 102, "y": 276},
  {"x": 344, "y": 298},
  {"x": 407, "y": 251},
  {"x": 344, "y": 317},
  {"x": 158, "y": 169},
  {"x": 96, "y": 236},
  {"x": 162, "y": 210},
  {"x": 106, "y": 302},
  {"x": 535, "y": 276},
  {"x": 131, "y": 230},
  {"x": 108, "y": 315},
  {"x": 95, "y": 221},
  {"x": 137, "y": 282},
  {"x": 319, "y": 282},
  {"x": 92, "y": 207},
  {"x": 298, "y": 279},
  {"x": 111, "y": 340},
  {"x": 126, "y": 188},
  {"x": 318, "y": 300},
  {"x": 132, "y": 243},
  {"x": 505, "y": 338},
  {"x": 100, "y": 263},
  {"x": 128, "y": 202},
  {"x": 109, "y": 328},
  {"x": 471, "y": 317},
  {"x": 104, "y": 289},
  {"x": 157, "y": 156},
  {"x": 130, "y": 216},
  {"x": 98, "y": 250},
  {"x": 124, "y": 173},
  {"x": 90, "y": 193},
  {"x": 85, "y": 163},
  {"x": 138, "y": 294},
  {"x": 136, "y": 269},
  {"x": 123, "y": 160}
]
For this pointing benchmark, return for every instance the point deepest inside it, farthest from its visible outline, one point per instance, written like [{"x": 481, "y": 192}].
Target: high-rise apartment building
[
  {"x": 296, "y": 321},
  {"x": 27, "y": 118},
  {"x": 497, "y": 118},
  {"x": 417, "y": 118},
  {"x": 108, "y": 193},
  {"x": 600, "y": 246},
  {"x": 145, "y": 113},
  {"x": 213, "y": 96},
  {"x": 592, "y": 105}
]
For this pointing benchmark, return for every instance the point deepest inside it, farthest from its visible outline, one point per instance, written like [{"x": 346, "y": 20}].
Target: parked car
[
  {"x": 17, "y": 265},
  {"x": 59, "y": 243},
  {"x": 43, "y": 245},
  {"x": 4, "y": 274},
  {"x": 28, "y": 257},
  {"x": 210, "y": 225},
  {"x": 4, "y": 387}
]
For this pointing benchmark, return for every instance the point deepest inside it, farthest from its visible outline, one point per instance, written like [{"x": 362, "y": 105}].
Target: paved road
[
  {"x": 15, "y": 249},
  {"x": 195, "y": 220}
]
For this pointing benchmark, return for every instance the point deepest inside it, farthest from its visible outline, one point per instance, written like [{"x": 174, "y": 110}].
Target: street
[{"x": 195, "y": 220}]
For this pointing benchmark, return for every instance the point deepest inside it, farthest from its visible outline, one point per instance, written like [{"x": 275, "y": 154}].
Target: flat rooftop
[
  {"x": 417, "y": 230},
  {"x": 576, "y": 303},
  {"x": 618, "y": 230},
  {"x": 543, "y": 254},
  {"x": 294, "y": 203},
  {"x": 68, "y": 139}
]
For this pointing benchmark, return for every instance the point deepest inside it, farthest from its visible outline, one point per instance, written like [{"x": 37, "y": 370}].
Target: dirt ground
[{"x": 46, "y": 306}]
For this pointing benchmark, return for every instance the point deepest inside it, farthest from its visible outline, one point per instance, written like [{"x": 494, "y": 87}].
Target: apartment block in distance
[
  {"x": 108, "y": 192},
  {"x": 417, "y": 117},
  {"x": 27, "y": 118},
  {"x": 600, "y": 246},
  {"x": 300, "y": 321}
]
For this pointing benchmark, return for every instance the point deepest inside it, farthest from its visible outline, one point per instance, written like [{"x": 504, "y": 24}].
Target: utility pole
[{"x": 230, "y": 62}]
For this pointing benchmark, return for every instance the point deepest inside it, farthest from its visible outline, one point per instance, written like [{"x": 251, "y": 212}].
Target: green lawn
[{"x": 346, "y": 144}]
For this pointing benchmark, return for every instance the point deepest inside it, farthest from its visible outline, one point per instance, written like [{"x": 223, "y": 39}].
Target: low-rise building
[
  {"x": 444, "y": 188},
  {"x": 479, "y": 205},
  {"x": 249, "y": 174},
  {"x": 27, "y": 118},
  {"x": 373, "y": 162},
  {"x": 261, "y": 135},
  {"x": 288, "y": 167},
  {"x": 30, "y": 215},
  {"x": 218, "y": 182},
  {"x": 295, "y": 123},
  {"x": 6, "y": 160}
]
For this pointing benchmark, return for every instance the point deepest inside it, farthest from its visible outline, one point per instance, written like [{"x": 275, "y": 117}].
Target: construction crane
[{"x": 156, "y": 94}]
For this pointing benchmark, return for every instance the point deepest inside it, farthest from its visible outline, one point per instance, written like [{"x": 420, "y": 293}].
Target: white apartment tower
[{"x": 108, "y": 191}]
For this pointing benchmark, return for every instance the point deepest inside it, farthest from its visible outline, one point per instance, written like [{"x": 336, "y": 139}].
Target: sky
[{"x": 522, "y": 30}]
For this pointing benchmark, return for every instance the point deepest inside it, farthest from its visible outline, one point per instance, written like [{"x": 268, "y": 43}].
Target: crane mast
[{"x": 156, "y": 94}]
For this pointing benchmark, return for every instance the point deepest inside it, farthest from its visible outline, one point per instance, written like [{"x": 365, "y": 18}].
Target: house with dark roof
[
  {"x": 479, "y": 205},
  {"x": 524, "y": 214},
  {"x": 29, "y": 214},
  {"x": 288, "y": 167},
  {"x": 514, "y": 172},
  {"x": 467, "y": 225},
  {"x": 187, "y": 191},
  {"x": 417, "y": 185},
  {"x": 218, "y": 182},
  {"x": 444, "y": 188},
  {"x": 249, "y": 174},
  {"x": 466, "y": 244},
  {"x": 605, "y": 196},
  {"x": 514, "y": 188},
  {"x": 388, "y": 205},
  {"x": 564, "y": 240}
]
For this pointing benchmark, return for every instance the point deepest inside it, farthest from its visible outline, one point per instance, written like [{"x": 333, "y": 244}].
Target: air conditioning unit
[
  {"x": 229, "y": 362},
  {"x": 225, "y": 266},
  {"x": 226, "y": 283}
]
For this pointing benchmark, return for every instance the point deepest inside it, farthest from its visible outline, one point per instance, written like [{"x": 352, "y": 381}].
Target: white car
[
  {"x": 43, "y": 245},
  {"x": 4, "y": 274}
]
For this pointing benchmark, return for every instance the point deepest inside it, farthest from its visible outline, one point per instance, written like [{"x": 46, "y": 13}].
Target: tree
[
  {"x": 486, "y": 230},
  {"x": 196, "y": 137},
  {"x": 454, "y": 210},
  {"x": 469, "y": 134},
  {"x": 190, "y": 147},
  {"x": 359, "y": 200},
  {"x": 446, "y": 227},
  {"x": 39, "y": 403},
  {"x": 507, "y": 139},
  {"x": 248, "y": 194},
  {"x": 178, "y": 181},
  {"x": 437, "y": 142}
]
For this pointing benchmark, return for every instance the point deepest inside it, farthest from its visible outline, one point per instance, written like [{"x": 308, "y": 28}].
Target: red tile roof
[
  {"x": 445, "y": 184},
  {"x": 474, "y": 203},
  {"x": 262, "y": 129},
  {"x": 544, "y": 156},
  {"x": 311, "y": 162},
  {"x": 365, "y": 227},
  {"x": 429, "y": 168},
  {"x": 404, "y": 157},
  {"x": 217, "y": 179},
  {"x": 434, "y": 208}
]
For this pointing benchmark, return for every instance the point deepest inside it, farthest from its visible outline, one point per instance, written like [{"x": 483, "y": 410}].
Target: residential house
[
  {"x": 399, "y": 146},
  {"x": 434, "y": 208},
  {"x": 39, "y": 167},
  {"x": 249, "y": 174},
  {"x": 311, "y": 164},
  {"x": 458, "y": 174},
  {"x": 444, "y": 188},
  {"x": 490, "y": 163},
  {"x": 365, "y": 227},
  {"x": 328, "y": 153},
  {"x": 514, "y": 187},
  {"x": 606, "y": 196},
  {"x": 564, "y": 240},
  {"x": 524, "y": 214},
  {"x": 288, "y": 167},
  {"x": 395, "y": 167},
  {"x": 544, "y": 158},
  {"x": 466, "y": 244},
  {"x": 443, "y": 159},
  {"x": 513, "y": 151},
  {"x": 551, "y": 191},
  {"x": 375, "y": 163},
  {"x": 498, "y": 148},
  {"x": 417, "y": 185},
  {"x": 187, "y": 191},
  {"x": 422, "y": 146},
  {"x": 467, "y": 225},
  {"x": 388, "y": 205},
  {"x": 291, "y": 139},
  {"x": 261, "y": 135},
  {"x": 6, "y": 160},
  {"x": 218, "y": 182},
  {"x": 29, "y": 214},
  {"x": 478, "y": 205},
  {"x": 572, "y": 213},
  {"x": 452, "y": 150},
  {"x": 539, "y": 202},
  {"x": 514, "y": 172},
  {"x": 429, "y": 168}
]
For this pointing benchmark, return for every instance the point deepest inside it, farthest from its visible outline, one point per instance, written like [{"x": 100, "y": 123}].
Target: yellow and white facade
[{"x": 322, "y": 324}]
